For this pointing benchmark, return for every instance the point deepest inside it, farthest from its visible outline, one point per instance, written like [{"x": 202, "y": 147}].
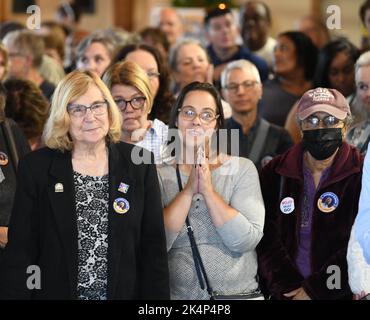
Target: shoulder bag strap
[
  {"x": 259, "y": 141},
  {"x": 199, "y": 266}
]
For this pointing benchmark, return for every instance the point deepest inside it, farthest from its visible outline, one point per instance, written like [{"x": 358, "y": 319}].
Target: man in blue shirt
[{"x": 222, "y": 33}]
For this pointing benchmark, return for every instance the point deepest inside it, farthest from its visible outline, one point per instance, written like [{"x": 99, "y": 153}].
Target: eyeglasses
[
  {"x": 152, "y": 74},
  {"x": 189, "y": 114},
  {"x": 79, "y": 110},
  {"x": 136, "y": 103},
  {"x": 247, "y": 84},
  {"x": 314, "y": 121}
]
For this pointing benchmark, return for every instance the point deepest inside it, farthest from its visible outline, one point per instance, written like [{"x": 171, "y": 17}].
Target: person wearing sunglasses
[
  {"x": 130, "y": 88},
  {"x": 218, "y": 195},
  {"x": 86, "y": 217},
  {"x": 311, "y": 194}
]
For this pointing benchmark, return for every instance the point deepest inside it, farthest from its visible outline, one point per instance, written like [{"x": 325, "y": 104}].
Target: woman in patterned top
[{"x": 85, "y": 214}]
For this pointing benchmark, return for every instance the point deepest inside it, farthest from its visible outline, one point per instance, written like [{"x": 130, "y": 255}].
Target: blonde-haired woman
[
  {"x": 4, "y": 58},
  {"x": 84, "y": 214},
  {"x": 130, "y": 88}
]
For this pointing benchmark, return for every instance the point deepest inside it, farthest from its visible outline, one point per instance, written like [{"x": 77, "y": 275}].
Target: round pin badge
[
  {"x": 121, "y": 205},
  {"x": 3, "y": 159},
  {"x": 328, "y": 202},
  {"x": 287, "y": 205},
  {"x": 266, "y": 160}
]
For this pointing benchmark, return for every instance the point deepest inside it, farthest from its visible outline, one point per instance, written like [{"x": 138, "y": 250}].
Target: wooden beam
[
  {"x": 123, "y": 13},
  {"x": 3, "y": 15},
  {"x": 316, "y": 9}
]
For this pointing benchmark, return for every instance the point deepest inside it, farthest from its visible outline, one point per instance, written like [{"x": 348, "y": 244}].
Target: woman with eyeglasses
[
  {"x": 311, "y": 194},
  {"x": 218, "y": 195},
  {"x": 130, "y": 88},
  {"x": 87, "y": 222},
  {"x": 151, "y": 61}
]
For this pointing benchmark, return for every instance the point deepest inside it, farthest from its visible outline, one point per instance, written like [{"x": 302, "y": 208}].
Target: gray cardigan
[{"x": 228, "y": 252}]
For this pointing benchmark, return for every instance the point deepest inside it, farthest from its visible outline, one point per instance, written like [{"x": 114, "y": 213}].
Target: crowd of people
[{"x": 153, "y": 165}]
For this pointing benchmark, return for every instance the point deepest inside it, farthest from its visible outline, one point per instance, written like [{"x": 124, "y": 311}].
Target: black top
[
  {"x": 43, "y": 229},
  {"x": 276, "y": 103},
  {"x": 47, "y": 89},
  {"x": 7, "y": 185},
  {"x": 277, "y": 141}
]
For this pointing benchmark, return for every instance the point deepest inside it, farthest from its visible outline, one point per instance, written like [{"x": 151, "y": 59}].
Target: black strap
[
  {"x": 9, "y": 138},
  {"x": 199, "y": 266},
  {"x": 282, "y": 182},
  {"x": 259, "y": 141}
]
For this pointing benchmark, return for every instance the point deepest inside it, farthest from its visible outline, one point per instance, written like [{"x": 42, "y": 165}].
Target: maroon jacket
[{"x": 330, "y": 231}]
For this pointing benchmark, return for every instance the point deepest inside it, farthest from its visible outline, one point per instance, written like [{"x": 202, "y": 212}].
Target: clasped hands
[{"x": 200, "y": 180}]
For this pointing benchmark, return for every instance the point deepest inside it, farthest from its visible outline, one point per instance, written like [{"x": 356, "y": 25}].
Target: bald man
[
  {"x": 171, "y": 24},
  {"x": 255, "y": 20}
]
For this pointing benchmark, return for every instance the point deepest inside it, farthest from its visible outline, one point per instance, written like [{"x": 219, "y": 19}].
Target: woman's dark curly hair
[
  {"x": 27, "y": 106},
  {"x": 164, "y": 98}
]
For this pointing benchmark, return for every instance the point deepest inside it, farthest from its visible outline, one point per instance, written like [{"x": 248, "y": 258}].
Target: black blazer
[{"x": 43, "y": 230}]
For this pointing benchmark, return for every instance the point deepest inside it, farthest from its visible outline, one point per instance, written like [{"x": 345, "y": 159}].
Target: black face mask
[{"x": 322, "y": 143}]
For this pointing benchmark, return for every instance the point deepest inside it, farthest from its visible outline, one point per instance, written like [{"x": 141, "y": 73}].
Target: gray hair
[
  {"x": 241, "y": 64},
  {"x": 362, "y": 61},
  {"x": 102, "y": 36},
  {"x": 172, "y": 58}
]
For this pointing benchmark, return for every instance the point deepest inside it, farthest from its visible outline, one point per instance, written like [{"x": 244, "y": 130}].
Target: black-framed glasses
[
  {"x": 79, "y": 110},
  {"x": 247, "y": 84},
  {"x": 189, "y": 114},
  {"x": 136, "y": 103},
  {"x": 328, "y": 121}
]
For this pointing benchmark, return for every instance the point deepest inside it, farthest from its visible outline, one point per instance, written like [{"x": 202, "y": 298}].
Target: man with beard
[
  {"x": 259, "y": 140},
  {"x": 255, "y": 21},
  {"x": 359, "y": 135},
  {"x": 304, "y": 238}
]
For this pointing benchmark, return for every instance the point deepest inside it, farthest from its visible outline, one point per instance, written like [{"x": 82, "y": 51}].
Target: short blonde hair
[
  {"x": 73, "y": 86},
  {"x": 130, "y": 74}
]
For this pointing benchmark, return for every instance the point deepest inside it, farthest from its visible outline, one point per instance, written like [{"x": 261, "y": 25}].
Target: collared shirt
[
  {"x": 242, "y": 53},
  {"x": 155, "y": 139},
  {"x": 303, "y": 259}
]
